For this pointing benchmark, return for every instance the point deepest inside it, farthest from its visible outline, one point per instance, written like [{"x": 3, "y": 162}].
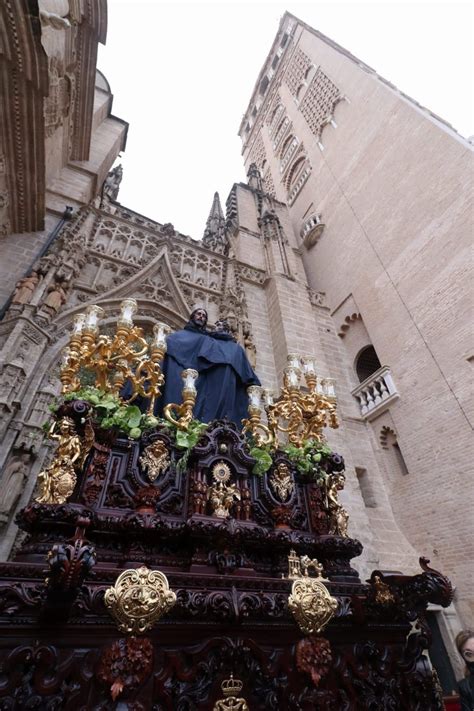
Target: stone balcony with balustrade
[{"x": 376, "y": 393}]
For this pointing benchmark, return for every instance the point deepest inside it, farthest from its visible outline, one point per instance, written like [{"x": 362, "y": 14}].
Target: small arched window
[
  {"x": 367, "y": 363},
  {"x": 286, "y": 144},
  {"x": 293, "y": 174}
]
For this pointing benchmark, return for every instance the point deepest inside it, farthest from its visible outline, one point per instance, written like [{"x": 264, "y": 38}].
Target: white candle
[
  {"x": 93, "y": 314},
  {"x": 329, "y": 387},
  {"x": 160, "y": 331},
  {"x": 189, "y": 377},
  {"x": 294, "y": 360},
  {"x": 268, "y": 397},
  {"x": 254, "y": 393},
  {"x": 65, "y": 358},
  {"x": 78, "y": 324},
  {"x": 309, "y": 366},
  {"x": 292, "y": 376},
  {"x": 128, "y": 308}
]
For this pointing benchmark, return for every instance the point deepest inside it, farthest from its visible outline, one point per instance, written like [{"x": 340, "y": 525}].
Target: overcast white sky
[{"x": 182, "y": 75}]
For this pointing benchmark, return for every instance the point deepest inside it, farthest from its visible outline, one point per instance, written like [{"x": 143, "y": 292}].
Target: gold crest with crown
[{"x": 231, "y": 702}]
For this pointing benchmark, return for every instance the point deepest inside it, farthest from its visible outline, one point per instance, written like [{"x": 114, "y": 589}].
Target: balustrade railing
[{"x": 376, "y": 393}]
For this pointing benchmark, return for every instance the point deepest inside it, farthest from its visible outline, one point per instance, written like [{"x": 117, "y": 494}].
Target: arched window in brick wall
[
  {"x": 286, "y": 145},
  {"x": 293, "y": 172},
  {"x": 389, "y": 442},
  {"x": 367, "y": 363}
]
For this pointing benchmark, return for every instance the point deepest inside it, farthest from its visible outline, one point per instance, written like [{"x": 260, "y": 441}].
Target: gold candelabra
[
  {"x": 125, "y": 358},
  {"x": 299, "y": 414},
  {"x": 181, "y": 415}
]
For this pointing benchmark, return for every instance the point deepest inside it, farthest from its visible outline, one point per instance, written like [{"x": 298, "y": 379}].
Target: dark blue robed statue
[{"x": 224, "y": 371}]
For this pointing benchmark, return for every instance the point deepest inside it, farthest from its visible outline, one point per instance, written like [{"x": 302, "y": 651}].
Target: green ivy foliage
[
  {"x": 110, "y": 412},
  {"x": 264, "y": 460},
  {"x": 185, "y": 439},
  {"x": 309, "y": 458}
]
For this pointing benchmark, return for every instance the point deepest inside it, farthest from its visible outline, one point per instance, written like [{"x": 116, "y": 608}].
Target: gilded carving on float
[
  {"x": 58, "y": 480},
  {"x": 383, "y": 594},
  {"x": 221, "y": 494},
  {"x": 231, "y": 702},
  {"x": 139, "y": 598},
  {"x": 310, "y": 602},
  {"x": 338, "y": 516},
  {"x": 155, "y": 459},
  {"x": 281, "y": 482},
  {"x": 125, "y": 358},
  {"x": 298, "y": 415}
]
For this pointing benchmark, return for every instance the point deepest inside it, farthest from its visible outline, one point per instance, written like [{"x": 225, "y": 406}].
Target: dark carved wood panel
[{"x": 60, "y": 649}]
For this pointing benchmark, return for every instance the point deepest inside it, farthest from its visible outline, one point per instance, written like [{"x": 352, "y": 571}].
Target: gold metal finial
[
  {"x": 139, "y": 598},
  {"x": 294, "y": 565}
]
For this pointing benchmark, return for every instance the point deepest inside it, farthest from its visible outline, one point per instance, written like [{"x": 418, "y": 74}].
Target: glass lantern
[
  {"x": 309, "y": 366},
  {"x": 294, "y": 360},
  {"x": 93, "y": 314},
  {"x": 329, "y": 386},
  {"x": 128, "y": 308},
  {"x": 78, "y": 324},
  {"x": 268, "y": 397},
  {"x": 292, "y": 377},
  {"x": 254, "y": 393},
  {"x": 189, "y": 377},
  {"x": 160, "y": 331}
]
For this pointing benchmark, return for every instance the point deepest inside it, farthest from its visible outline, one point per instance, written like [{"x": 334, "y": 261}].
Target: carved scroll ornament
[{"x": 139, "y": 599}]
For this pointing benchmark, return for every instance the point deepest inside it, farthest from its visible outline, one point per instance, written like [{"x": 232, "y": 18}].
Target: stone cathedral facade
[{"x": 348, "y": 242}]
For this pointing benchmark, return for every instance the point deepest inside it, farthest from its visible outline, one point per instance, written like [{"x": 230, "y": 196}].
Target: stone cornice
[{"x": 24, "y": 79}]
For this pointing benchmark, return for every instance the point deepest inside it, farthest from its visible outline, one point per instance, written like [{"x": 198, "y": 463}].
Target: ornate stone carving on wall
[
  {"x": 25, "y": 289},
  {"x": 58, "y": 102},
  {"x": 297, "y": 71},
  {"x": 257, "y": 153},
  {"x": 319, "y": 102},
  {"x": 24, "y": 79},
  {"x": 256, "y": 276},
  {"x": 12, "y": 482},
  {"x": 317, "y": 298},
  {"x": 112, "y": 182}
]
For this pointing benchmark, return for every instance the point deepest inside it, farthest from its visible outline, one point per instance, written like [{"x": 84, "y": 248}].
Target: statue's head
[
  {"x": 222, "y": 325},
  {"x": 66, "y": 425},
  {"x": 199, "y": 317}
]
